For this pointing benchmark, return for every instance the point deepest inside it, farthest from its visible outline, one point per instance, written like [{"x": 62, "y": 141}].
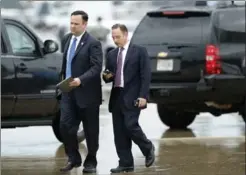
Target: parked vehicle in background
[
  {"x": 197, "y": 57},
  {"x": 228, "y": 39},
  {"x": 13, "y": 10},
  {"x": 30, "y": 70}
]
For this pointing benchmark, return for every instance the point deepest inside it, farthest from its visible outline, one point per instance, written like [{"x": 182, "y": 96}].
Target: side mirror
[{"x": 50, "y": 46}]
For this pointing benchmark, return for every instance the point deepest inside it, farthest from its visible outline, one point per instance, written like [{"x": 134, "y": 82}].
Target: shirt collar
[
  {"x": 126, "y": 45},
  {"x": 78, "y": 37}
]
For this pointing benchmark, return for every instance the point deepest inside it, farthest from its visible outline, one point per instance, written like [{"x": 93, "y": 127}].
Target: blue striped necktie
[{"x": 70, "y": 57}]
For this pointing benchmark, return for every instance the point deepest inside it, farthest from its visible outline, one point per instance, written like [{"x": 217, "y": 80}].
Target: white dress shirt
[{"x": 124, "y": 52}]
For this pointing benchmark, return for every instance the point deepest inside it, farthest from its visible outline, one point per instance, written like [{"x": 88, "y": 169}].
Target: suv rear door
[
  {"x": 228, "y": 34},
  {"x": 179, "y": 37},
  {"x": 8, "y": 80}
]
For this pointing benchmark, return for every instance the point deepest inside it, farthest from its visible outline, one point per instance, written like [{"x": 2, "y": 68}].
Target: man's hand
[
  {"x": 75, "y": 83},
  {"x": 107, "y": 75},
  {"x": 142, "y": 102}
]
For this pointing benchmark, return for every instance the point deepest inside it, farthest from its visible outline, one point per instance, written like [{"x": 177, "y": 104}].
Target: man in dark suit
[
  {"x": 82, "y": 61},
  {"x": 128, "y": 67}
]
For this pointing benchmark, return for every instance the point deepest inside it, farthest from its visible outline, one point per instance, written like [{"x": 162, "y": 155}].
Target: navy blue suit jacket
[
  {"x": 137, "y": 74},
  {"x": 86, "y": 65}
]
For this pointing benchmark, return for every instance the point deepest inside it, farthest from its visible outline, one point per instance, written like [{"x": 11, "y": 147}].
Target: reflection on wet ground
[{"x": 212, "y": 146}]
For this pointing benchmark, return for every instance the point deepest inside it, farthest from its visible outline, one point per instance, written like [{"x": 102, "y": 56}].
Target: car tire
[
  {"x": 244, "y": 118},
  {"x": 242, "y": 111},
  {"x": 174, "y": 119},
  {"x": 56, "y": 130}
]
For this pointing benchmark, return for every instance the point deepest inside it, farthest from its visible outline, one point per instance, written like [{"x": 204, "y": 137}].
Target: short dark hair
[
  {"x": 83, "y": 14},
  {"x": 122, "y": 27}
]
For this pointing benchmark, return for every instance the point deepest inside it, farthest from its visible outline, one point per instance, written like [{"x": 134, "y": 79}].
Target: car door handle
[{"x": 21, "y": 67}]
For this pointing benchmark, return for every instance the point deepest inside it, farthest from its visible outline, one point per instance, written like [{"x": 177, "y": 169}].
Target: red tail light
[
  {"x": 213, "y": 62},
  {"x": 173, "y": 13}
]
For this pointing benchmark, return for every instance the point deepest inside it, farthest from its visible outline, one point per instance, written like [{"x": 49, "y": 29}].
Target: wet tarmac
[{"x": 211, "y": 146}]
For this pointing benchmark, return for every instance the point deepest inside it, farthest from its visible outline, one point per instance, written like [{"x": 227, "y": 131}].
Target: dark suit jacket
[
  {"x": 137, "y": 74},
  {"x": 87, "y": 66}
]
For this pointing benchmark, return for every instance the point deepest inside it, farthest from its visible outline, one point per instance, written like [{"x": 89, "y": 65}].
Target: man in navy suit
[
  {"x": 82, "y": 60},
  {"x": 128, "y": 67}
]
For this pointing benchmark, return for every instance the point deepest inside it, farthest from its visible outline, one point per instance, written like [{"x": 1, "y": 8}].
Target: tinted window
[
  {"x": 163, "y": 29},
  {"x": 230, "y": 27},
  {"x": 20, "y": 41},
  {"x": 172, "y": 3}
]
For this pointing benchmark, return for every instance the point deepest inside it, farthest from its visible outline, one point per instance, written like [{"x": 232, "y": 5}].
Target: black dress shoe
[
  {"x": 150, "y": 159},
  {"x": 121, "y": 169},
  {"x": 70, "y": 166},
  {"x": 89, "y": 169}
]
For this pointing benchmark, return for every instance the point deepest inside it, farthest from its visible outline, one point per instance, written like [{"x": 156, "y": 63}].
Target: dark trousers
[
  {"x": 71, "y": 117},
  {"x": 127, "y": 129}
]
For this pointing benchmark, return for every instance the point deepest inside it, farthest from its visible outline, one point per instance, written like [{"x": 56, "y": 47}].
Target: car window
[
  {"x": 230, "y": 27},
  {"x": 20, "y": 42},
  {"x": 172, "y": 3},
  {"x": 159, "y": 29}
]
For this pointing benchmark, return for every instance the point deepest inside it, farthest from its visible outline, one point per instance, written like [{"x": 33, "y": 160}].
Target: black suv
[
  {"x": 30, "y": 70},
  {"x": 198, "y": 61}
]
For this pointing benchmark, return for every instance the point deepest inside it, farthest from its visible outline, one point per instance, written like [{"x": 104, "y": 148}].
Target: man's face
[
  {"x": 119, "y": 37},
  {"x": 77, "y": 25}
]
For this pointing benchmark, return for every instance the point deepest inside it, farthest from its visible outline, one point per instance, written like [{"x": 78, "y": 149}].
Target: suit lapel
[
  {"x": 128, "y": 54},
  {"x": 66, "y": 47},
  {"x": 115, "y": 55},
  {"x": 82, "y": 42}
]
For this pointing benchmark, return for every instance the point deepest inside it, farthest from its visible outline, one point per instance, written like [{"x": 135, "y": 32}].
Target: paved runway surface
[{"x": 211, "y": 146}]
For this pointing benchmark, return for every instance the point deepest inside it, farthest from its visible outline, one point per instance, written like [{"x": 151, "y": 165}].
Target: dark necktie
[{"x": 117, "y": 80}]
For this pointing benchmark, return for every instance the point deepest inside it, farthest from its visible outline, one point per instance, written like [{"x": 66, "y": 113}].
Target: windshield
[{"x": 157, "y": 30}]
